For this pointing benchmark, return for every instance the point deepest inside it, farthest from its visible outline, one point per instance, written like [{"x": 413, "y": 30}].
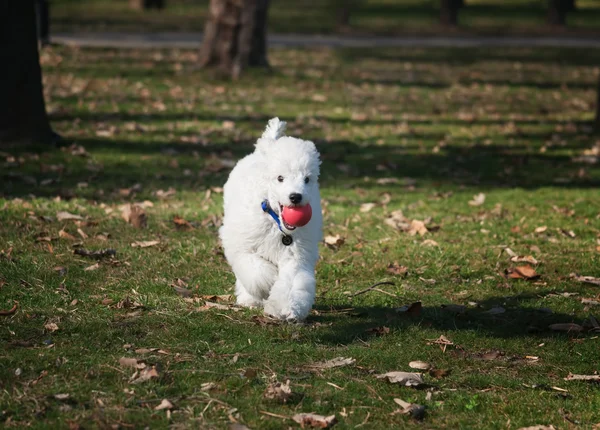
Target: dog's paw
[{"x": 248, "y": 301}]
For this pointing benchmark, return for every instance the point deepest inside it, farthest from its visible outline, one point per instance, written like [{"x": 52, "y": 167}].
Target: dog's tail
[{"x": 275, "y": 129}]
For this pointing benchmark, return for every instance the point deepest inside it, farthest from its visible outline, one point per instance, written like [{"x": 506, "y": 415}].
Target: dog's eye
[
  {"x": 306, "y": 180},
  {"x": 280, "y": 178}
]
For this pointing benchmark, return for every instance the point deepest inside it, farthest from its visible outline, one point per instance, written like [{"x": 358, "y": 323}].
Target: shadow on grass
[
  {"x": 350, "y": 324},
  {"x": 123, "y": 163}
]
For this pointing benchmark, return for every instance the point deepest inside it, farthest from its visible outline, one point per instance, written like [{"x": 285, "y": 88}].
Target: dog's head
[{"x": 292, "y": 173}]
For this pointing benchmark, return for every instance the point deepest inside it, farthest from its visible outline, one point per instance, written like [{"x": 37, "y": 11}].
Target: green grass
[
  {"x": 446, "y": 124},
  {"x": 387, "y": 17}
]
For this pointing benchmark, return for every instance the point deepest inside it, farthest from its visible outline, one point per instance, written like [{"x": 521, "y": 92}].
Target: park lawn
[
  {"x": 417, "y": 131},
  {"x": 383, "y": 17}
]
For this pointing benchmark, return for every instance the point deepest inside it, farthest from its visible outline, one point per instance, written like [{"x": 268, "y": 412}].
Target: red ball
[{"x": 297, "y": 216}]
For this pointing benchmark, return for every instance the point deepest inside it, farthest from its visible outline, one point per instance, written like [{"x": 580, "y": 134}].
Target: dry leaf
[
  {"x": 585, "y": 279},
  {"x": 135, "y": 215},
  {"x": 145, "y": 374},
  {"x": 64, "y": 235},
  {"x": 397, "y": 220},
  {"x": 334, "y": 242},
  {"x": 145, "y": 244},
  {"x": 92, "y": 267},
  {"x": 378, "y": 331},
  {"x": 568, "y": 327},
  {"x": 278, "y": 391},
  {"x": 541, "y": 229},
  {"x": 225, "y": 298},
  {"x": 510, "y": 252},
  {"x": 523, "y": 272},
  {"x": 478, "y": 200},
  {"x": 62, "y": 396},
  {"x": 66, "y": 216},
  {"x": 314, "y": 420},
  {"x": 524, "y": 259},
  {"x": 414, "y": 410},
  {"x": 130, "y": 362},
  {"x": 366, "y": 207},
  {"x": 539, "y": 427},
  {"x": 417, "y": 226},
  {"x": 182, "y": 224},
  {"x": 590, "y": 378},
  {"x": 421, "y": 365},
  {"x": 10, "y": 311},
  {"x": 180, "y": 288},
  {"x": 407, "y": 379},
  {"x": 51, "y": 327},
  {"x": 98, "y": 255},
  {"x": 429, "y": 242},
  {"x": 165, "y": 404},
  {"x": 397, "y": 269},
  {"x": 335, "y": 362},
  {"x": 413, "y": 309},
  {"x": 439, "y": 373}
]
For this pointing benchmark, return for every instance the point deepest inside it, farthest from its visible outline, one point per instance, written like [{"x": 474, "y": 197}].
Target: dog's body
[{"x": 268, "y": 273}]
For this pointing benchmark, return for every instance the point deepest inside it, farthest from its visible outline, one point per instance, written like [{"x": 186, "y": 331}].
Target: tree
[
  {"x": 235, "y": 36},
  {"x": 597, "y": 122},
  {"x": 23, "y": 117},
  {"x": 557, "y": 12},
  {"x": 147, "y": 4},
  {"x": 449, "y": 11}
]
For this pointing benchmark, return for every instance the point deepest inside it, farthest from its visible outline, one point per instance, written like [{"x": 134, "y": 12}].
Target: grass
[
  {"x": 420, "y": 131},
  {"x": 386, "y": 17}
]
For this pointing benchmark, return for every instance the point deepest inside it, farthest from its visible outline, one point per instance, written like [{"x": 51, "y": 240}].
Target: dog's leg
[
  {"x": 293, "y": 294},
  {"x": 255, "y": 277}
]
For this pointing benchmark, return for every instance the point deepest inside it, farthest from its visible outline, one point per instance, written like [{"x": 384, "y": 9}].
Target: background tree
[
  {"x": 147, "y": 4},
  {"x": 557, "y": 12},
  {"x": 23, "y": 117},
  {"x": 235, "y": 36},
  {"x": 597, "y": 122},
  {"x": 449, "y": 11}
]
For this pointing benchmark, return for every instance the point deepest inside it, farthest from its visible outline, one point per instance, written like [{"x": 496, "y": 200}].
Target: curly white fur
[{"x": 280, "y": 278}]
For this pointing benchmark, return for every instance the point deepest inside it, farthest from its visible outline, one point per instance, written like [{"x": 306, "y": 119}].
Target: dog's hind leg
[{"x": 255, "y": 277}]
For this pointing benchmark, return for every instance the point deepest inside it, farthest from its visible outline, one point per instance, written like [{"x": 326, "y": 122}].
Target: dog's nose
[{"x": 295, "y": 198}]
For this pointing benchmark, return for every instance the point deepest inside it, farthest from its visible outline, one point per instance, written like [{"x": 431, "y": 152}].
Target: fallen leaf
[
  {"x": 510, "y": 252},
  {"x": 569, "y": 233},
  {"x": 417, "y": 226},
  {"x": 429, "y": 242},
  {"x": 421, "y": 365},
  {"x": 66, "y": 216},
  {"x": 98, "y": 255},
  {"x": 130, "y": 362},
  {"x": 81, "y": 233},
  {"x": 524, "y": 259},
  {"x": 182, "y": 224},
  {"x": 264, "y": 320},
  {"x": 330, "y": 364},
  {"x": 135, "y": 215},
  {"x": 64, "y": 235},
  {"x": 397, "y": 269},
  {"x": 10, "y": 311},
  {"x": 165, "y": 404},
  {"x": 414, "y": 410},
  {"x": 145, "y": 244},
  {"x": 590, "y": 302},
  {"x": 523, "y": 272},
  {"x": 590, "y": 378},
  {"x": 51, "y": 327},
  {"x": 161, "y": 194},
  {"x": 207, "y": 386},
  {"x": 334, "y": 242},
  {"x": 538, "y": 427},
  {"x": 439, "y": 373},
  {"x": 568, "y": 327},
  {"x": 379, "y": 331},
  {"x": 478, "y": 200},
  {"x": 145, "y": 374},
  {"x": 225, "y": 298},
  {"x": 278, "y": 391},
  {"x": 413, "y": 310},
  {"x": 211, "y": 305},
  {"x": 314, "y": 420},
  {"x": 62, "y": 396},
  {"x": 407, "y": 379},
  {"x": 541, "y": 229},
  {"x": 585, "y": 279},
  {"x": 92, "y": 267},
  {"x": 180, "y": 288},
  {"x": 366, "y": 207}
]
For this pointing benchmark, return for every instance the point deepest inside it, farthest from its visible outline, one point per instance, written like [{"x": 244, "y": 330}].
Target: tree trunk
[
  {"x": 235, "y": 36},
  {"x": 43, "y": 21},
  {"x": 557, "y": 12},
  {"x": 147, "y": 4},
  {"x": 23, "y": 117},
  {"x": 449, "y": 12},
  {"x": 597, "y": 121}
]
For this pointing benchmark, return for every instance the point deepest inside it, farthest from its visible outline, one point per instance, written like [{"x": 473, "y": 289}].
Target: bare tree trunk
[
  {"x": 557, "y": 12},
  {"x": 449, "y": 12},
  {"x": 597, "y": 121},
  {"x": 23, "y": 117},
  {"x": 235, "y": 36},
  {"x": 147, "y": 4},
  {"x": 43, "y": 21}
]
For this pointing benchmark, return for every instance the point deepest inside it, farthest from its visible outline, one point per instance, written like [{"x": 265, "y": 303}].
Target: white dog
[{"x": 273, "y": 224}]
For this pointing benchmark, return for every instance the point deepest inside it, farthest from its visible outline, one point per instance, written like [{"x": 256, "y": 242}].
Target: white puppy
[{"x": 273, "y": 224}]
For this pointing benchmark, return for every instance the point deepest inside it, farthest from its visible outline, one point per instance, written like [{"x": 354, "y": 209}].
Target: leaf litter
[
  {"x": 407, "y": 379},
  {"x": 414, "y": 410},
  {"x": 315, "y": 421}
]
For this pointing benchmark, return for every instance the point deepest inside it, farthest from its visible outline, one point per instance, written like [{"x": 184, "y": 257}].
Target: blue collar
[
  {"x": 286, "y": 239},
  {"x": 266, "y": 208}
]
